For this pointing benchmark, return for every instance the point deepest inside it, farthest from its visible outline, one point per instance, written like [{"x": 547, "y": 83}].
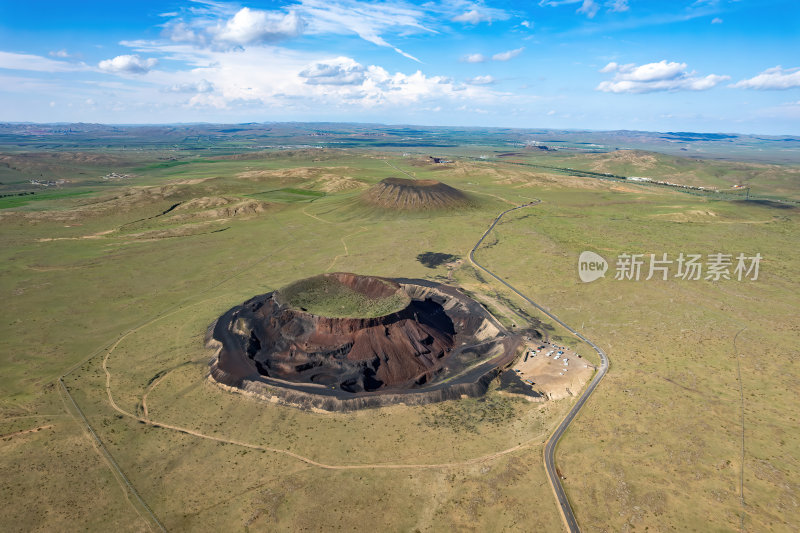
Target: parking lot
[{"x": 553, "y": 370}]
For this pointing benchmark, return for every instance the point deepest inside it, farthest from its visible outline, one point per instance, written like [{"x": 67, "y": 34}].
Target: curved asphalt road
[{"x": 550, "y": 447}]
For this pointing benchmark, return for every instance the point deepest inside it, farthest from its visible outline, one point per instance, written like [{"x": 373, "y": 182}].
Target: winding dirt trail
[
  {"x": 346, "y": 251},
  {"x": 538, "y": 439}
]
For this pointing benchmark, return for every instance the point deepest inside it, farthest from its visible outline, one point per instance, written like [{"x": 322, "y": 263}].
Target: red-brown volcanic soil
[
  {"x": 441, "y": 345},
  {"x": 406, "y": 194}
]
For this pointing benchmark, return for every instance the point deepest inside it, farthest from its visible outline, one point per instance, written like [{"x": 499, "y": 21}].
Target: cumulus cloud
[
  {"x": 296, "y": 80},
  {"x": 245, "y": 27},
  {"x": 341, "y": 71},
  {"x": 509, "y": 54},
  {"x": 217, "y": 26},
  {"x": 249, "y": 26},
  {"x": 128, "y": 64},
  {"x": 481, "y": 80},
  {"x": 772, "y": 79},
  {"x": 347, "y": 82},
  {"x": 651, "y": 77}
]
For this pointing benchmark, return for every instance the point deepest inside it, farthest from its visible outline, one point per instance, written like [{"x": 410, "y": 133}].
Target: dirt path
[
  {"x": 342, "y": 239},
  {"x": 147, "y": 391},
  {"x": 109, "y": 347},
  {"x": 538, "y": 439},
  {"x": 24, "y": 431},
  {"x": 493, "y": 195},
  {"x": 116, "y": 472},
  {"x": 315, "y": 217},
  {"x": 397, "y": 169},
  {"x": 346, "y": 252}
]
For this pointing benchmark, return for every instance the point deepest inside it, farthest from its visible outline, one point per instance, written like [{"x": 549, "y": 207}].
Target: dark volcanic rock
[
  {"x": 440, "y": 335},
  {"x": 407, "y": 194}
]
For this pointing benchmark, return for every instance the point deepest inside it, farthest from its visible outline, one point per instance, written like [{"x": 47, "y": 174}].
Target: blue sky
[{"x": 705, "y": 65}]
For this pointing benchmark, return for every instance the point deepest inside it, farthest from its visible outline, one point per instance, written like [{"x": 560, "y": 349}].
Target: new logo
[{"x": 591, "y": 266}]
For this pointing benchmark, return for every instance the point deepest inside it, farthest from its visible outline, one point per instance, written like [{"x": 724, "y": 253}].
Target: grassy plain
[
  {"x": 121, "y": 284},
  {"x": 325, "y": 296}
]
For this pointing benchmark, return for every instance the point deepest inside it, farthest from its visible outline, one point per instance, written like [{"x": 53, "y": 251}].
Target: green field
[
  {"x": 288, "y": 195},
  {"x": 324, "y": 296},
  {"x": 18, "y": 201},
  {"x": 114, "y": 290}
]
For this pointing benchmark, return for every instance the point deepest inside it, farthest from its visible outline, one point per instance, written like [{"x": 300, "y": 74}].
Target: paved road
[{"x": 550, "y": 447}]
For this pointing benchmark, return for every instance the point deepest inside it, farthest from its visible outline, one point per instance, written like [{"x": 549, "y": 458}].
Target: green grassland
[
  {"x": 323, "y": 296},
  {"x": 18, "y": 201},
  {"x": 116, "y": 288},
  {"x": 288, "y": 195}
]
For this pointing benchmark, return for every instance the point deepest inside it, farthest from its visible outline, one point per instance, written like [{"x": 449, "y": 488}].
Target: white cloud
[
  {"x": 291, "y": 81},
  {"x": 611, "y": 67},
  {"x": 481, "y": 80},
  {"x": 527, "y": 23},
  {"x": 370, "y": 21},
  {"x": 772, "y": 78},
  {"x": 474, "y": 58},
  {"x": 340, "y": 71},
  {"x": 252, "y": 26},
  {"x": 202, "y": 86},
  {"x": 652, "y": 71},
  {"x": 500, "y": 56},
  {"x": 472, "y": 17},
  {"x": 510, "y": 54},
  {"x": 618, "y": 6},
  {"x": 716, "y": 20},
  {"x": 244, "y": 27},
  {"x": 63, "y": 54},
  {"x": 475, "y": 13},
  {"x": 127, "y": 64},
  {"x": 13, "y": 61},
  {"x": 651, "y": 77},
  {"x": 589, "y": 8},
  {"x": 216, "y": 25}
]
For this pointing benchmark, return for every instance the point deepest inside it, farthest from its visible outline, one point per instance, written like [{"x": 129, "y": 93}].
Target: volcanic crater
[
  {"x": 408, "y": 194},
  {"x": 342, "y": 341}
]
